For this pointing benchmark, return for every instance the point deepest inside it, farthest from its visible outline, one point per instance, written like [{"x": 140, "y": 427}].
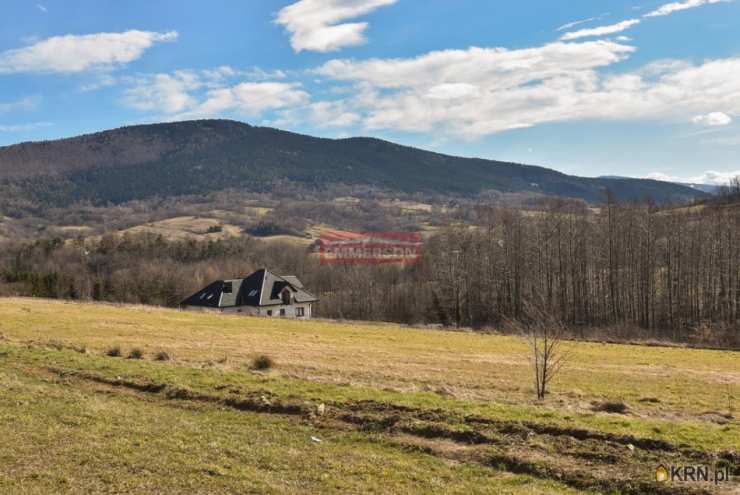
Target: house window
[
  {"x": 228, "y": 287},
  {"x": 285, "y": 296},
  {"x": 299, "y": 312},
  {"x": 269, "y": 312},
  {"x": 282, "y": 312}
]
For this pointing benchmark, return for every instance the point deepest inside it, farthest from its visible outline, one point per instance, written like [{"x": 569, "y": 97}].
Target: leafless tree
[{"x": 548, "y": 352}]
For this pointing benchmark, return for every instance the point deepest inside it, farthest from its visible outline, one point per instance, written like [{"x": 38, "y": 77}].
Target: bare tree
[{"x": 546, "y": 335}]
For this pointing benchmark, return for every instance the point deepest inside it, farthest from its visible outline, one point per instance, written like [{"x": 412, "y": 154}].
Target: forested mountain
[{"x": 198, "y": 157}]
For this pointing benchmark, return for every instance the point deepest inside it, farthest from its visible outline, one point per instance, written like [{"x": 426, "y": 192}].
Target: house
[{"x": 262, "y": 293}]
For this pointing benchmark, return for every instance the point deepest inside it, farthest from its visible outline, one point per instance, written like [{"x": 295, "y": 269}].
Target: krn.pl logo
[{"x": 661, "y": 474}]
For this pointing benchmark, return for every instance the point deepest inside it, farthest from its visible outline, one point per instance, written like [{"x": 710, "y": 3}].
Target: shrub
[
  {"x": 267, "y": 229},
  {"x": 113, "y": 352},
  {"x": 136, "y": 353},
  {"x": 262, "y": 362},
  {"x": 161, "y": 356},
  {"x": 611, "y": 407}
]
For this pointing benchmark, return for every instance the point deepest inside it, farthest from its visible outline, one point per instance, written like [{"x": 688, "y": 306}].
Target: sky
[{"x": 647, "y": 88}]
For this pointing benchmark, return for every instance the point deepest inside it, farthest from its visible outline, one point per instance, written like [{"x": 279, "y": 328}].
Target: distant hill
[
  {"x": 707, "y": 188},
  {"x": 197, "y": 157}
]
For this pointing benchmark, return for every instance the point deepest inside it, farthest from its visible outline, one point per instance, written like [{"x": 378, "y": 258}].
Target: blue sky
[{"x": 643, "y": 88}]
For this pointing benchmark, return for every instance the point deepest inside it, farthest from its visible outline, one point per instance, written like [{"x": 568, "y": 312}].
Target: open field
[
  {"x": 184, "y": 227},
  {"x": 406, "y": 409}
]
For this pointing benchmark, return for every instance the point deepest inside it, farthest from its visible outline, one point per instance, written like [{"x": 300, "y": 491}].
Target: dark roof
[{"x": 262, "y": 288}]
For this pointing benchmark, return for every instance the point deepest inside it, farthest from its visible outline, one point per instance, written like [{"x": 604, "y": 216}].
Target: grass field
[
  {"x": 404, "y": 410},
  {"x": 186, "y": 227}
]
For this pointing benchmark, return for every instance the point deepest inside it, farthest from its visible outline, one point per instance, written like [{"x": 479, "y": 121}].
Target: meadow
[{"x": 345, "y": 407}]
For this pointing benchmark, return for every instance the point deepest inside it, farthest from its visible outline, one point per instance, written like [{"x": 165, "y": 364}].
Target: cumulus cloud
[
  {"x": 492, "y": 67},
  {"x": 670, "y": 8},
  {"x": 317, "y": 24},
  {"x": 78, "y": 53},
  {"x": 713, "y": 119},
  {"x": 168, "y": 93},
  {"x": 445, "y": 88},
  {"x": 480, "y": 91},
  {"x": 711, "y": 177},
  {"x": 601, "y": 30},
  {"x": 249, "y": 99},
  {"x": 186, "y": 94},
  {"x": 451, "y": 91},
  {"x": 332, "y": 114}
]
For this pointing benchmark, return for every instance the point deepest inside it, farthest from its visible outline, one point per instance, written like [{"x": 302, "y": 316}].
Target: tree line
[{"x": 620, "y": 271}]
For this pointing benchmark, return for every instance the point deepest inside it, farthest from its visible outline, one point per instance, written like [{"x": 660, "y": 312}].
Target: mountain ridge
[{"x": 201, "y": 156}]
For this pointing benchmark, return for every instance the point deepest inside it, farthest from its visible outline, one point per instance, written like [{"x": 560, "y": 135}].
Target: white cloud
[
  {"x": 24, "y": 127},
  {"x": 333, "y": 114},
  {"x": 475, "y": 91},
  {"x": 491, "y": 67},
  {"x": 77, "y": 53},
  {"x": 709, "y": 177},
  {"x": 317, "y": 24},
  {"x": 576, "y": 23},
  {"x": 713, "y": 119},
  {"x": 670, "y": 8},
  {"x": 249, "y": 98},
  {"x": 481, "y": 91},
  {"x": 451, "y": 91},
  {"x": 186, "y": 94},
  {"x": 257, "y": 74},
  {"x": 601, "y": 30},
  {"x": 619, "y": 27},
  {"x": 42, "y": 8},
  {"x": 168, "y": 93},
  {"x": 103, "y": 80},
  {"x": 27, "y": 103},
  {"x": 582, "y": 21}
]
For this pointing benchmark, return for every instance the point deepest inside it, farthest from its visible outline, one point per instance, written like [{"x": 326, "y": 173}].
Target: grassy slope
[
  {"x": 85, "y": 440},
  {"x": 456, "y": 373}
]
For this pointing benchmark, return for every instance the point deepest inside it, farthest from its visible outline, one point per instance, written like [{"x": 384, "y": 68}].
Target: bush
[
  {"x": 113, "y": 352},
  {"x": 267, "y": 229},
  {"x": 136, "y": 353},
  {"x": 161, "y": 356},
  {"x": 262, "y": 362},
  {"x": 611, "y": 407}
]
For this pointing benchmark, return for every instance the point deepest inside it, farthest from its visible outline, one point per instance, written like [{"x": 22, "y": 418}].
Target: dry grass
[
  {"x": 80, "y": 438},
  {"x": 401, "y": 407},
  {"x": 184, "y": 227},
  {"x": 466, "y": 366}
]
